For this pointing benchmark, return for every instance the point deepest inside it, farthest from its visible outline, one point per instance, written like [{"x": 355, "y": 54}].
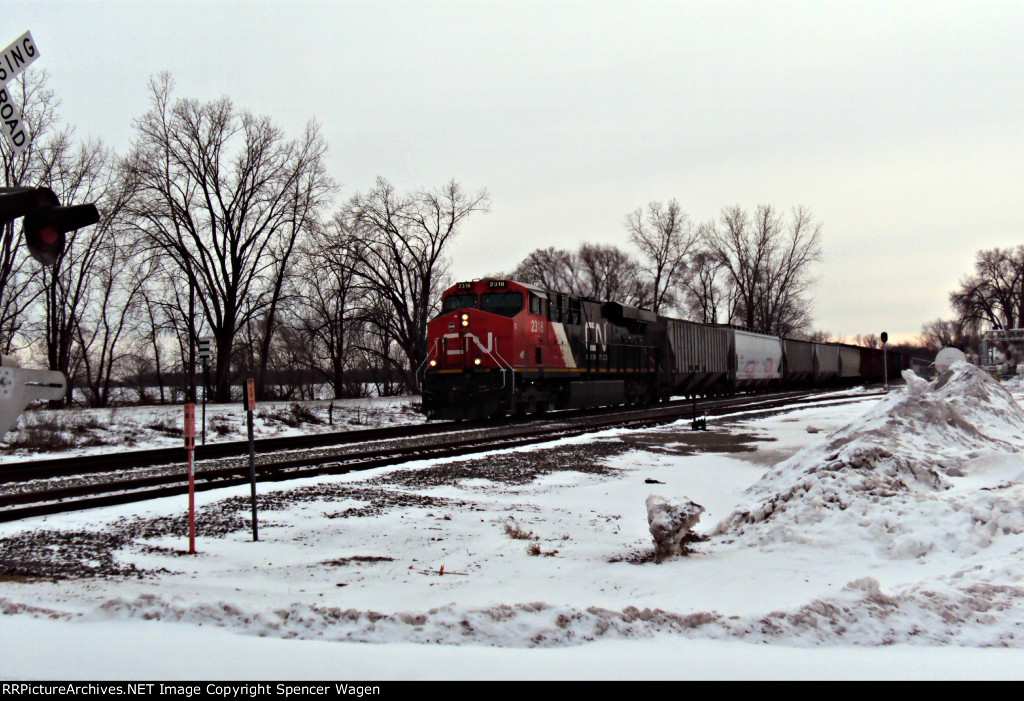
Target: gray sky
[{"x": 899, "y": 124}]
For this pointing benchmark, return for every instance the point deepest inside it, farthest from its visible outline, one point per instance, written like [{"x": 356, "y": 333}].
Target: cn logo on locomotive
[
  {"x": 489, "y": 348},
  {"x": 597, "y": 335}
]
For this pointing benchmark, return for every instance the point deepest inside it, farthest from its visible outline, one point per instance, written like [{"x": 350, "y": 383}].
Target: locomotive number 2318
[{"x": 536, "y": 326}]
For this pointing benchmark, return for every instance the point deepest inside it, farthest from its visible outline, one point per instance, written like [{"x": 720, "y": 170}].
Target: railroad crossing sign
[{"x": 13, "y": 60}]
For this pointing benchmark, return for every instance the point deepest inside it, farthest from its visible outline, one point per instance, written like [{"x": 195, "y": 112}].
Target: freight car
[{"x": 500, "y": 347}]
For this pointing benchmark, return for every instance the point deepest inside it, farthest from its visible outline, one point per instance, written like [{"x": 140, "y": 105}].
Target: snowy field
[
  {"x": 883, "y": 539},
  {"x": 60, "y": 433}
]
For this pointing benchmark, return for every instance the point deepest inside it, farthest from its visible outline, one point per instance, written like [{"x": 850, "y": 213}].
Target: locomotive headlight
[
  {"x": 465, "y": 319},
  {"x": 477, "y": 361},
  {"x": 433, "y": 363}
]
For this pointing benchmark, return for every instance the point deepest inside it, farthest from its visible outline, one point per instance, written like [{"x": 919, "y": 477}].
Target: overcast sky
[{"x": 899, "y": 124}]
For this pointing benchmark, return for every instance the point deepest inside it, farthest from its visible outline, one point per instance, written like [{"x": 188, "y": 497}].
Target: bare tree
[
  {"x": 379, "y": 350},
  {"x": 311, "y": 189},
  {"x": 155, "y": 324},
  {"x": 83, "y": 286},
  {"x": 994, "y": 295},
  {"x": 106, "y": 335},
  {"x": 708, "y": 295},
  {"x": 328, "y": 312},
  {"x": 224, "y": 197},
  {"x": 609, "y": 273},
  {"x": 551, "y": 268},
  {"x": 939, "y": 334},
  {"x": 741, "y": 252},
  {"x": 768, "y": 266},
  {"x": 867, "y": 340},
  {"x": 784, "y": 300},
  {"x": 666, "y": 237},
  {"x": 402, "y": 260},
  {"x": 594, "y": 270}
]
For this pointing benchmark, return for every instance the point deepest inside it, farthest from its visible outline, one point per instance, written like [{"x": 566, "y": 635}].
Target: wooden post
[{"x": 250, "y": 385}]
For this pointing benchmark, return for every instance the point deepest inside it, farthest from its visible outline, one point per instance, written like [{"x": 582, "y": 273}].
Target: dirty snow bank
[
  {"x": 933, "y": 469},
  {"x": 862, "y": 614}
]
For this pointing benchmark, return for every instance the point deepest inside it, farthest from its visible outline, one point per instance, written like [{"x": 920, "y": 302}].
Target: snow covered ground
[
  {"x": 883, "y": 539},
  {"x": 59, "y": 433}
]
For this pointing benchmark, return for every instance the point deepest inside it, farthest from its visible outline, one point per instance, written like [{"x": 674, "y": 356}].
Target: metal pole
[{"x": 885, "y": 364}]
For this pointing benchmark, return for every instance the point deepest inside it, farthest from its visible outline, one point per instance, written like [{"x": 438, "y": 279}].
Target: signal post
[{"x": 44, "y": 227}]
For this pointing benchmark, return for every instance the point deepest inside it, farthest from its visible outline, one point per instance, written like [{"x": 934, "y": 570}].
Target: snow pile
[
  {"x": 670, "y": 522},
  {"x": 933, "y": 469}
]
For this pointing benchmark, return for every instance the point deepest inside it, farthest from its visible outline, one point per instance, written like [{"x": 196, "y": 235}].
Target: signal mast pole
[{"x": 885, "y": 359}]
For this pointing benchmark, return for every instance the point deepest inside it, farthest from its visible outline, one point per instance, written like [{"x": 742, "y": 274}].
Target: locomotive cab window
[
  {"x": 504, "y": 303},
  {"x": 453, "y": 302},
  {"x": 538, "y": 305},
  {"x": 557, "y": 309},
  {"x": 575, "y": 315}
]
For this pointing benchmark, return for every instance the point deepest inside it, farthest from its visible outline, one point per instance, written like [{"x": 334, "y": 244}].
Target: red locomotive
[{"x": 500, "y": 346}]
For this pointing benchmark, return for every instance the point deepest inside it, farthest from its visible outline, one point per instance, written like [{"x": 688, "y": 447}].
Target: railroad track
[{"x": 55, "y": 486}]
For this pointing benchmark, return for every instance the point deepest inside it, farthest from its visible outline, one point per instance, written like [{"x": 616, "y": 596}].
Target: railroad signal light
[{"x": 45, "y": 220}]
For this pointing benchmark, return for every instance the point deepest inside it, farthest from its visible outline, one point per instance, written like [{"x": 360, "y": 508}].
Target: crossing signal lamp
[
  {"x": 45, "y": 224},
  {"x": 45, "y": 221}
]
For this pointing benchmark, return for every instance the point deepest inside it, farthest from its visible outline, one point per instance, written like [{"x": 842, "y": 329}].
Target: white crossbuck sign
[{"x": 13, "y": 60}]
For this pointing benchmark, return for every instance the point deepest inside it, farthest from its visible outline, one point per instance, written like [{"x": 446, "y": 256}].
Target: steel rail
[{"x": 24, "y": 471}]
